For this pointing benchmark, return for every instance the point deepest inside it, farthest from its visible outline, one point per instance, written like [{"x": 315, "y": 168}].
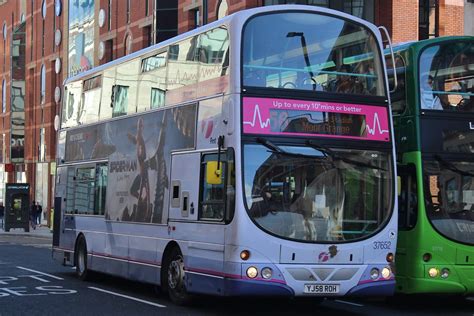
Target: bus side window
[
  {"x": 100, "y": 188},
  {"x": 408, "y": 197}
]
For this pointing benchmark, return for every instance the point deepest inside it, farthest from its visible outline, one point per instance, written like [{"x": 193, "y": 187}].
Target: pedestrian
[
  {"x": 39, "y": 211},
  {"x": 2, "y": 212},
  {"x": 33, "y": 215}
]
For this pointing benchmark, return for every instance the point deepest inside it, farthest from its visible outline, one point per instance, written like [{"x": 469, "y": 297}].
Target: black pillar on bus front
[{"x": 17, "y": 206}]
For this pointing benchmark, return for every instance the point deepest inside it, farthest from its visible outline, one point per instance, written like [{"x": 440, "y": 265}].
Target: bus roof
[
  {"x": 420, "y": 44},
  {"x": 240, "y": 16}
]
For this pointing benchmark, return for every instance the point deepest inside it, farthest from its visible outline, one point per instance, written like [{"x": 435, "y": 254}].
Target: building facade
[{"x": 44, "y": 42}]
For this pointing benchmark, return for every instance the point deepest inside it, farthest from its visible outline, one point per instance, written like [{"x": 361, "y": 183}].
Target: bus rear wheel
[
  {"x": 175, "y": 278},
  {"x": 81, "y": 259}
]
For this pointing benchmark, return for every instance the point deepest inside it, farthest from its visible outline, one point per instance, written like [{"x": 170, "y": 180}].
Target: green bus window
[
  {"x": 398, "y": 97},
  {"x": 446, "y": 77}
]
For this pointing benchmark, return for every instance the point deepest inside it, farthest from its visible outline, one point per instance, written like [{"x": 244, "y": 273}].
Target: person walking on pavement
[
  {"x": 2, "y": 213},
  {"x": 33, "y": 212},
  {"x": 39, "y": 210}
]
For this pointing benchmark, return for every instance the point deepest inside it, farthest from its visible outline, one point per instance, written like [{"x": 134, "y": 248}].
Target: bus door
[{"x": 199, "y": 216}]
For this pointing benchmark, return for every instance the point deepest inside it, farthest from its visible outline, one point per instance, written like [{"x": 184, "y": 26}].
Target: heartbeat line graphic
[
  {"x": 376, "y": 125},
  {"x": 256, "y": 113}
]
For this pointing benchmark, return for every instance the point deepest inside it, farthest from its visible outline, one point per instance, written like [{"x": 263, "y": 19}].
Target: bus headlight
[
  {"x": 266, "y": 273},
  {"x": 433, "y": 272},
  {"x": 374, "y": 273},
  {"x": 252, "y": 272},
  {"x": 386, "y": 273},
  {"x": 444, "y": 273}
]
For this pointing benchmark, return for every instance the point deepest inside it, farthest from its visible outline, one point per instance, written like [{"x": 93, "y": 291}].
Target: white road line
[
  {"x": 126, "y": 296},
  {"x": 39, "y": 272},
  {"x": 349, "y": 303}
]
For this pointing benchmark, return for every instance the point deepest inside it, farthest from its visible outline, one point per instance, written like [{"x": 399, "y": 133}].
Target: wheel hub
[{"x": 176, "y": 274}]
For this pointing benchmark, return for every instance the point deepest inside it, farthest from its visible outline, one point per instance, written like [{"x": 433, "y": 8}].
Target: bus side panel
[
  {"x": 66, "y": 227},
  {"x": 203, "y": 256},
  {"x": 146, "y": 252}
]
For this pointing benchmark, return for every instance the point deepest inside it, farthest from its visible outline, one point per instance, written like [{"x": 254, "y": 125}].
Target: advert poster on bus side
[
  {"x": 138, "y": 151},
  {"x": 281, "y": 117}
]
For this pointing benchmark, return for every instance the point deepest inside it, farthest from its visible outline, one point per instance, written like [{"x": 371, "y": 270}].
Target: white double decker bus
[{"x": 251, "y": 156}]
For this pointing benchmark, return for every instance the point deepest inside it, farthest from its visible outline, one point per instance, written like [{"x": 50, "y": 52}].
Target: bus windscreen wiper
[
  {"x": 275, "y": 149},
  {"x": 325, "y": 150},
  {"x": 451, "y": 166}
]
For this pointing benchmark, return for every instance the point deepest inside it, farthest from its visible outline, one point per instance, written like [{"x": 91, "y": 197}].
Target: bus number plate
[{"x": 321, "y": 288}]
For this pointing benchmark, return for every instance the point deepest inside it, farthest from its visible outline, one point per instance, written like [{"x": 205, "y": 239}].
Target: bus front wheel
[
  {"x": 176, "y": 279},
  {"x": 81, "y": 259}
]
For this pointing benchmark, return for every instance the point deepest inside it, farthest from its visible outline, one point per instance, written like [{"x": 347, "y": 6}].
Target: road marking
[
  {"x": 39, "y": 272},
  {"x": 349, "y": 303},
  {"x": 126, "y": 296}
]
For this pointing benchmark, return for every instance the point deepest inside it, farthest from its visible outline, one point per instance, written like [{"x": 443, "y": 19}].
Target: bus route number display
[{"x": 270, "y": 116}]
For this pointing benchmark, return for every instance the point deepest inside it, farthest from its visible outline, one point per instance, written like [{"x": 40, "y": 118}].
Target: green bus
[{"x": 433, "y": 113}]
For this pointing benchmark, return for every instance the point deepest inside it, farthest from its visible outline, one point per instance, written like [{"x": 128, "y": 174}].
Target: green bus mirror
[{"x": 213, "y": 174}]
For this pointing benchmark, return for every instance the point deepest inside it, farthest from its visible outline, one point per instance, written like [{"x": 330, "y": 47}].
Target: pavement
[{"x": 40, "y": 231}]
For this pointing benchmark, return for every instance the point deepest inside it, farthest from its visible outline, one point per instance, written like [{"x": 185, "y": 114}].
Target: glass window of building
[
  {"x": 364, "y": 9},
  {"x": 120, "y": 100},
  {"x": 152, "y": 82},
  {"x": 222, "y": 9},
  {"x": 428, "y": 19},
  {"x": 4, "y": 96},
  {"x": 43, "y": 83},
  {"x": 44, "y": 7}
]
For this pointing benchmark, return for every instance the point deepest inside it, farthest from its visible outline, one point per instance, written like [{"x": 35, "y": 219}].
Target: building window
[
  {"x": 147, "y": 10},
  {"x": 128, "y": 45},
  {"x": 128, "y": 11},
  {"x": 43, "y": 9},
  {"x": 109, "y": 23},
  {"x": 197, "y": 18},
  {"x": 43, "y": 83},
  {"x": 364, "y": 9},
  {"x": 120, "y": 100},
  {"x": 428, "y": 19},
  {"x": 42, "y": 39},
  {"x": 222, "y": 9},
  {"x": 167, "y": 19},
  {"x": 4, "y": 96}
]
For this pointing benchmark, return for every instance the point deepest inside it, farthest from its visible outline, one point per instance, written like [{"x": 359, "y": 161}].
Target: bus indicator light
[
  {"x": 245, "y": 255},
  {"x": 427, "y": 257},
  {"x": 386, "y": 273},
  {"x": 390, "y": 257}
]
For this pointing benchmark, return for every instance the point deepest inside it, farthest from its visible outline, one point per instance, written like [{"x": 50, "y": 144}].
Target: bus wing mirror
[{"x": 214, "y": 172}]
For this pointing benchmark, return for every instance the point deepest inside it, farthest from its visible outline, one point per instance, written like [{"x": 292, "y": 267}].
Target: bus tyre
[
  {"x": 81, "y": 259},
  {"x": 175, "y": 278}
]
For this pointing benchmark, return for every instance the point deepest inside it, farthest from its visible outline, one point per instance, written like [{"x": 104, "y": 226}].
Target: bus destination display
[
  {"x": 310, "y": 118},
  {"x": 319, "y": 123}
]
